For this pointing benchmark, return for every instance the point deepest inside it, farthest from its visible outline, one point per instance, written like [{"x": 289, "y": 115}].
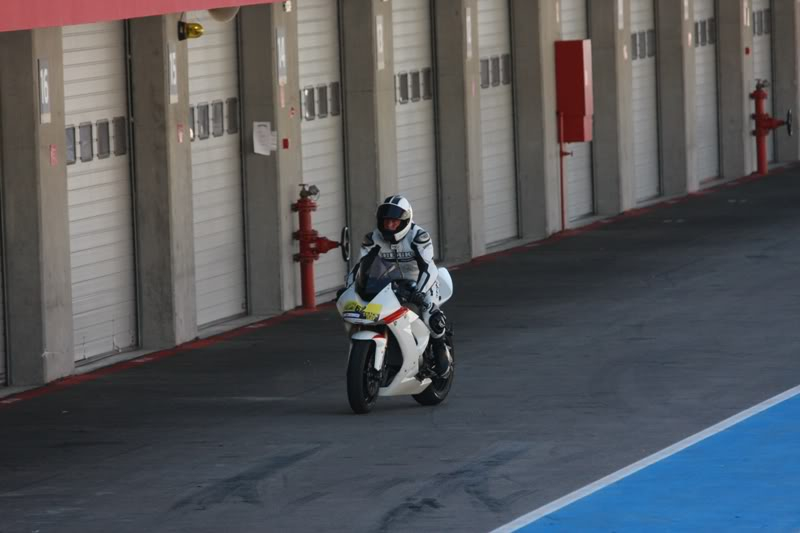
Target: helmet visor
[{"x": 392, "y": 211}]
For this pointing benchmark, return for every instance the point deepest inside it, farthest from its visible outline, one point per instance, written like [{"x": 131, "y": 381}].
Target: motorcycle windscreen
[{"x": 375, "y": 274}]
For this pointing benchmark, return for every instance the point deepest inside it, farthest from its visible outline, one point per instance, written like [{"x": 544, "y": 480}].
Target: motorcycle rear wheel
[
  {"x": 363, "y": 383},
  {"x": 439, "y": 388}
]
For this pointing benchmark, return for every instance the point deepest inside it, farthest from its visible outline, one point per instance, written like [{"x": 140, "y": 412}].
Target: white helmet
[{"x": 395, "y": 207}]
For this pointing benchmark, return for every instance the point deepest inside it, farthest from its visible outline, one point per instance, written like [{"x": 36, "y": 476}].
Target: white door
[
  {"x": 761, "y": 23},
  {"x": 416, "y": 138},
  {"x": 498, "y": 161},
  {"x": 706, "y": 123},
  {"x": 645, "y": 111},
  {"x": 321, "y": 129},
  {"x": 219, "y": 250},
  {"x": 99, "y": 189},
  {"x": 578, "y": 166}
]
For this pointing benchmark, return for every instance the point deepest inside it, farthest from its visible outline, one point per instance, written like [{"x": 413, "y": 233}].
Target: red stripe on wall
[{"x": 29, "y": 14}]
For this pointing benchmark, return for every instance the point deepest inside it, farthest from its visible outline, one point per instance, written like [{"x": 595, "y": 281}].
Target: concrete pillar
[
  {"x": 786, "y": 62},
  {"x": 368, "y": 86},
  {"x": 459, "y": 115},
  {"x": 735, "y": 49},
  {"x": 613, "y": 124},
  {"x": 270, "y": 92},
  {"x": 163, "y": 184},
  {"x": 36, "y": 240},
  {"x": 675, "y": 45},
  {"x": 534, "y": 30}
]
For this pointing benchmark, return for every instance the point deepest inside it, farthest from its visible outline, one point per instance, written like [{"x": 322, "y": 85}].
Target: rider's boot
[{"x": 437, "y": 323}]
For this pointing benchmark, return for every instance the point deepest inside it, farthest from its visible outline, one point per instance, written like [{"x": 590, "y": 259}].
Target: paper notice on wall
[{"x": 265, "y": 139}]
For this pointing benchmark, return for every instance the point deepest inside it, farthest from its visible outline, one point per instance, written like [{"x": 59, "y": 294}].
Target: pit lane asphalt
[{"x": 576, "y": 357}]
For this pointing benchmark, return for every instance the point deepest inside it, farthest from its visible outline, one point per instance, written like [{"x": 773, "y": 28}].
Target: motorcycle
[{"x": 390, "y": 351}]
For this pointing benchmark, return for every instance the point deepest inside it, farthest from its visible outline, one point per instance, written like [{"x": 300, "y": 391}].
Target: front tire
[
  {"x": 363, "y": 381},
  {"x": 439, "y": 388}
]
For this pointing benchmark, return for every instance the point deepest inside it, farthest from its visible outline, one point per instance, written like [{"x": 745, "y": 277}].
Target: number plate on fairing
[{"x": 353, "y": 309}]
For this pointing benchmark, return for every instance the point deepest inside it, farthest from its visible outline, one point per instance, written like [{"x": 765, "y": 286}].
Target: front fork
[{"x": 381, "y": 342}]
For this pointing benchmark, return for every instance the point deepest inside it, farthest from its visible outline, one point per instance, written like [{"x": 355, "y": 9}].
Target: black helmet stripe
[{"x": 396, "y": 200}]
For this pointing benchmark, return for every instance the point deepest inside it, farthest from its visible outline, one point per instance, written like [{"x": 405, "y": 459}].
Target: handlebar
[
  {"x": 403, "y": 289},
  {"x": 789, "y": 122}
]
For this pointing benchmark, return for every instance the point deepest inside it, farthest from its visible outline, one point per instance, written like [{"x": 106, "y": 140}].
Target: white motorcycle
[{"x": 390, "y": 352}]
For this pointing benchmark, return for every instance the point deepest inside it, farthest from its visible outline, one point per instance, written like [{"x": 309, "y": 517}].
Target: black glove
[{"x": 417, "y": 298}]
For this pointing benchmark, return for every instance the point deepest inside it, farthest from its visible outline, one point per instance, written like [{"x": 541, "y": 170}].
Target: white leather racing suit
[{"x": 414, "y": 256}]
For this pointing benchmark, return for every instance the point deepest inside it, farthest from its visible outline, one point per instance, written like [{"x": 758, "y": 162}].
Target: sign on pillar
[
  {"x": 282, "y": 67},
  {"x": 44, "y": 91},
  {"x": 173, "y": 74}
]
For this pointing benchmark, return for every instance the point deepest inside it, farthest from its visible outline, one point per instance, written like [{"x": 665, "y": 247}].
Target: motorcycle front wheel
[{"x": 363, "y": 381}]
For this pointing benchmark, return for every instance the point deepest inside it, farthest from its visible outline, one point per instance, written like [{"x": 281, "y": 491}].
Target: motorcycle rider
[{"x": 398, "y": 239}]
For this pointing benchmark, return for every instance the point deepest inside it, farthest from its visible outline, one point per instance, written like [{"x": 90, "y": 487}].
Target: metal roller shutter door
[
  {"x": 578, "y": 167},
  {"x": 414, "y": 109},
  {"x": 498, "y": 161},
  {"x": 761, "y": 23},
  {"x": 645, "y": 100},
  {"x": 219, "y": 248},
  {"x": 706, "y": 123},
  {"x": 99, "y": 189},
  {"x": 321, "y": 128}
]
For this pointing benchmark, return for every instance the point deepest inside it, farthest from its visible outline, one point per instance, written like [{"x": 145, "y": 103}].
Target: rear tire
[
  {"x": 439, "y": 388},
  {"x": 363, "y": 382}
]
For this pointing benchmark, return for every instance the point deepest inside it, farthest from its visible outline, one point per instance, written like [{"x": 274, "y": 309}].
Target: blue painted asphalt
[{"x": 745, "y": 478}]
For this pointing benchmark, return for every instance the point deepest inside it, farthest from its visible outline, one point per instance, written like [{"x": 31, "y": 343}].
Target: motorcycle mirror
[
  {"x": 345, "y": 244},
  {"x": 789, "y": 122}
]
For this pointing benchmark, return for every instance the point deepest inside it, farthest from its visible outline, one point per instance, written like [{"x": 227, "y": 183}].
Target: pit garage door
[
  {"x": 99, "y": 189},
  {"x": 321, "y": 128},
  {"x": 219, "y": 250},
  {"x": 706, "y": 123},
  {"x": 497, "y": 122},
  {"x": 645, "y": 113},
  {"x": 762, "y": 61},
  {"x": 414, "y": 110},
  {"x": 578, "y": 167}
]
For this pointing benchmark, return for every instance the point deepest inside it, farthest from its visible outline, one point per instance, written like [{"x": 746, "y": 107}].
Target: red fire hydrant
[
  {"x": 311, "y": 244},
  {"x": 765, "y": 124}
]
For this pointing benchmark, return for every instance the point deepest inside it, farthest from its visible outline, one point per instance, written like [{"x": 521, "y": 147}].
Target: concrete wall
[
  {"x": 369, "y": 115},
  {"x": 613, "y": 125},
  {"x": 534, "y": 31},
  {"x": 735, "y": 45},
  {"x": 36, "y": 241},
  {"x": 459, "y": 116},
  {"x": 163, "y": 185},
  {"x": 676, "y": 81},
  {"x": 271, "y": 181}
]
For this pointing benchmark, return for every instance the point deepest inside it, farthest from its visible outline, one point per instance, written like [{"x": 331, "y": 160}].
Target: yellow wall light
[{"x": 189, "y": 30}]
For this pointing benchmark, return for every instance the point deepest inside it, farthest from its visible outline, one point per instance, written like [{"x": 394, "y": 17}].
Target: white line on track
[{"x": 583, "y": 492}]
